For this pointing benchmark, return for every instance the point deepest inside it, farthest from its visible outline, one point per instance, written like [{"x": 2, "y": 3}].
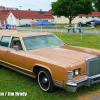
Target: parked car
[
  {"x": 84, "y": 24},
  {"x": 23, "y": 25},
  {"x": 88, "y": 23},
  {"x": 0, "y": 27},
  {"x": 96, "y": 23},
  {"x": 8, "y": 25},
  {"x": 53, "y": 63}
]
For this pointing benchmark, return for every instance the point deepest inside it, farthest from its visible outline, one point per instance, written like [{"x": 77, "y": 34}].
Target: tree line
[{"x": 71, "y": 8}]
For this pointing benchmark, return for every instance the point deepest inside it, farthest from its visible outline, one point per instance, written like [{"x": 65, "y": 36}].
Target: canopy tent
[
  {"x": 94, "y": 20},
  {"x": 95, "y": 28},
  {"x": 31, "y": 23},
  {"x": 43, "y": 23}
]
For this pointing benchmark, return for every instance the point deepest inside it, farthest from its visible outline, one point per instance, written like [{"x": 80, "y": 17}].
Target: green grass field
[
  {"x": 88, "y": 40},
  {"x": 11, "y": 81},
  {"x": 60, "y": 27}
]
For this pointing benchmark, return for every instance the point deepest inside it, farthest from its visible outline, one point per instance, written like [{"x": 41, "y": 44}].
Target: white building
[
  {"x": 18, "y": 17},
  {"x": 80, "y": 18}
]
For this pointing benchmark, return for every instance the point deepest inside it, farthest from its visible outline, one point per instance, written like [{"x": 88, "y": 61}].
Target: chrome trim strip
[
  {"x": 83, "y": 74},
  {"x": 95, "y": 81},
  {"x": 14, "y": 49},
  {"x": 95, "y": 59},
  {"x": 18, "y": 70},
  {"x": 84, "y": 79},
  {"x": 16, "y": 66},
  {"x": 91, "y": 57},
  {"x": 95, "y": 76},
  {"x": 72, "y": 84},
  {"x": 81, "y": 80}
]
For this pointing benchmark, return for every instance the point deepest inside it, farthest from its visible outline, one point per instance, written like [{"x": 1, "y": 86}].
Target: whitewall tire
[{"x": 45, "y": 81}]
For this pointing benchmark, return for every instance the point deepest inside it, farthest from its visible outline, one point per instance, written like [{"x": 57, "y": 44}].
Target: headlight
[{"x": 76, "y": 72}]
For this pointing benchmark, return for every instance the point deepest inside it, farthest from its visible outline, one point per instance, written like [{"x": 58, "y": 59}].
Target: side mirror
[{"x": 16, "y": 48}]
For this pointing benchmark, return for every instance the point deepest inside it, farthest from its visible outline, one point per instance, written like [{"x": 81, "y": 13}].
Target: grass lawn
[
  {"x": 11, "y": 81},
  {"x": 60, "y": 27},
  {"x": 88, "y": 40}
]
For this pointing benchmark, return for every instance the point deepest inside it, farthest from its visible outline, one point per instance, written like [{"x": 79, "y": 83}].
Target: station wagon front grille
[{"x": 93, "y": 66}]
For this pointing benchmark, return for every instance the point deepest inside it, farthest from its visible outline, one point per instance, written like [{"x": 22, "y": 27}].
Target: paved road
[{"x": 54, "y": 30}]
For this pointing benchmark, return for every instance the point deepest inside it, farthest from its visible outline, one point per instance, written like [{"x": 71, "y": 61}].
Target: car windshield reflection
[{"x": 41, "y": 41}]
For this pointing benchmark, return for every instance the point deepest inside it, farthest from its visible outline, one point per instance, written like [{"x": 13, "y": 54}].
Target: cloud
[{"x": 26, "y": 4}]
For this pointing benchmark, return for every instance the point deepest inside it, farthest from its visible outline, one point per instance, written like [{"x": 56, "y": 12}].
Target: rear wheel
[{"x": 45, "y": 81}]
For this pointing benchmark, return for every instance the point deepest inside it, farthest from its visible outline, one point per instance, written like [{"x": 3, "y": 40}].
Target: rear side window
[{"x": 5, "y": 41}]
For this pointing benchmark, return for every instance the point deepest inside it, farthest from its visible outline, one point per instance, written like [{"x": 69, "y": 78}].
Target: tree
[
  {"x": 97, "y": 4},
  {"x": 71, "y": 8}
]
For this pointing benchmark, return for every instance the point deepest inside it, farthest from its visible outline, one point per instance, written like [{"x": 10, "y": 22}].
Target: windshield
[{"x": 41, "y": 41}]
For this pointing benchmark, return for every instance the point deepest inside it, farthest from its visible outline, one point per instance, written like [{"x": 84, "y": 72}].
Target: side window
[
  {"x": 5, "y": 41},
  {"x": 16, "y": 42}
]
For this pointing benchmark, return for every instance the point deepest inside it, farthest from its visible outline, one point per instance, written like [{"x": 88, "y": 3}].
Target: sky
[{"x": 45, "y": 5}]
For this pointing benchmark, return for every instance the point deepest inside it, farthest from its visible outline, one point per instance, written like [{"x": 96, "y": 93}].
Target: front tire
[{"x": 45, "y": 81}]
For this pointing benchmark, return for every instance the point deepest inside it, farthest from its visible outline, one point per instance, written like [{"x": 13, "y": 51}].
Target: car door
[
  {"x": 14, "y": 57},
  {"x": 4, "y": 47}
]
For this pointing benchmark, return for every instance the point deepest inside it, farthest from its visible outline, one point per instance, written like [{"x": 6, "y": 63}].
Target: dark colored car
[
  {"x": 24, "y": 25},
  {"x": 88, "y": 23},
  {"x": 96, "y": 23},
  {"x": 84, "y": 24}
]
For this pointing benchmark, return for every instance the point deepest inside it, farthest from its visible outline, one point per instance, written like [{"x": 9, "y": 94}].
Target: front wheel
[{"x": 45, "y": 81}]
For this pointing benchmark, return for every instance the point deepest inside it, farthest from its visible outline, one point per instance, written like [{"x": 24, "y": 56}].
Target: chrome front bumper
[{"x": 87, "y": 81}]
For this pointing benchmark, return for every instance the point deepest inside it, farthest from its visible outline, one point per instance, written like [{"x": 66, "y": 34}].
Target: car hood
[{"x": 66, "y": 54}]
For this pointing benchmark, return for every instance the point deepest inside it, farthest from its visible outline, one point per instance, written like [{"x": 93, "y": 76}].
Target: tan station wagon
[{"x": 43, "y": 56}]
